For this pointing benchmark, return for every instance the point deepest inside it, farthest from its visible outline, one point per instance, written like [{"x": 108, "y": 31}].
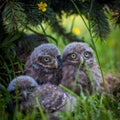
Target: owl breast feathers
[
  {"x": 80, "y": 70},
  {"x": 44, "y": 64}
]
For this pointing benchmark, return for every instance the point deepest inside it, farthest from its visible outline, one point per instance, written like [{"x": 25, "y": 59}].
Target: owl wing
[
  {"x": 52, "y": 98},
  {"x": 111, "y": 84}
]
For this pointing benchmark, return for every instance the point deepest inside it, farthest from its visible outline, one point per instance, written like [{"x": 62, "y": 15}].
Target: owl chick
[
  {"x": 52, "y": 100},
  {"x": 52, "y": 97},
  {"x": 44, "y": 64},
  {"x": 80, "y": 70},
  {"x": 20, "y": 88},
  {"x": 111, "y": 84}
]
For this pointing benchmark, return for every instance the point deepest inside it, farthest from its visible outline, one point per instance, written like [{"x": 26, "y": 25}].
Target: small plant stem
[
  {"x": 40, "y": 109},
  {"x": 90, "y": 32},
  {"x": 79, "y": 13},
  {"x": 42, "y": 29},
  {"x": 91, "y": 36},
  {"x": 49, "y": 36},
  {"x": 69, "y": 91},
  {"x": 73, "y": 21}
]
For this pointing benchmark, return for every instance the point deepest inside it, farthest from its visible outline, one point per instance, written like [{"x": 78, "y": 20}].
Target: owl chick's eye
[
  {"x": 30, "y": 88},
  {"x": 87, "y": 54},
  {"x": 73, "y": 55},
  {"x": 46, "y": 59}
]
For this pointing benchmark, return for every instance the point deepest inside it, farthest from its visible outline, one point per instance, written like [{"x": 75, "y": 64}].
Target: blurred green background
[{"x": 108, "y": 50}]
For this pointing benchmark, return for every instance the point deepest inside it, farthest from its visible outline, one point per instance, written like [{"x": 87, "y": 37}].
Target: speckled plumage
[
  {"x": 52, "y": 98},
  {"x": 111, "y": 84},
  {"x": 80, "y": 70},
  {"x": 44, "y": 64}
]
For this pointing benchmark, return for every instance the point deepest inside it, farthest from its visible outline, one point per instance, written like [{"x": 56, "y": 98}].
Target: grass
[
  {"x": 95, "y": 107},
  {"x": 91, "y": 108}
]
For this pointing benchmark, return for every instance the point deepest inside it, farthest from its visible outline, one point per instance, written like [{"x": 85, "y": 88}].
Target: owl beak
[
  {"x": 56, "y": 64},
  {"x": 81, "y": 60},
  {"x": 25, "y": 95}
]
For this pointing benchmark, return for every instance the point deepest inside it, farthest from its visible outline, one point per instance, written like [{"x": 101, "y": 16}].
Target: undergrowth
[{"x": 90, "y": 107}]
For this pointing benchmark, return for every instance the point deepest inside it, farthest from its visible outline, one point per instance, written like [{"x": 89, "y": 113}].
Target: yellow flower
[
  {"x": 76, "y": 31},
  {"x": 42, "y": 6}
]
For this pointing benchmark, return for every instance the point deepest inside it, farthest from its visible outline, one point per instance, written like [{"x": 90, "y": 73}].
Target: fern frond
[
  {"x": 99, "y": 24},
  {"x": 13, "y": 16},
  {"x": 97, "y": 19}
]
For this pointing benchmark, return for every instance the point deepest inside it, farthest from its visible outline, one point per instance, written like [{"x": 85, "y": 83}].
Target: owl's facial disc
[
  {"x": 23, "y": 92},
  {"x": 48, "y": 61},
  {"x": 88, "y": 57},
  {"x": 26, "y": 92}
]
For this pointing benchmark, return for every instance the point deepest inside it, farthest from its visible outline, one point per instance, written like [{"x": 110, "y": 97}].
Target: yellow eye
[
  {"x": 46, "y": 59},
  {"x": 73, "y": 56},
  {"x": 30, "y": 88},
  {"x": 87, "y": 54}
]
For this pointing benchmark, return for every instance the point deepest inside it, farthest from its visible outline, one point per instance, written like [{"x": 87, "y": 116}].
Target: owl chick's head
[
  {"x": 45, "y": 55},
  {"x": 78, "y": 53},
  {"x": 22, "y": 85}
]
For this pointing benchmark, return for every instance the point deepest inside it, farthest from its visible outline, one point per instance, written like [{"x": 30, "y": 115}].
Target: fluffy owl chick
[
  {"x": 44, "y": 64},
  {"x": 52, "y": 99},
  {"x": 80, "y": 70},
  {"x": 111, "y": 84},
  {"x": 20, "y": 88}
]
